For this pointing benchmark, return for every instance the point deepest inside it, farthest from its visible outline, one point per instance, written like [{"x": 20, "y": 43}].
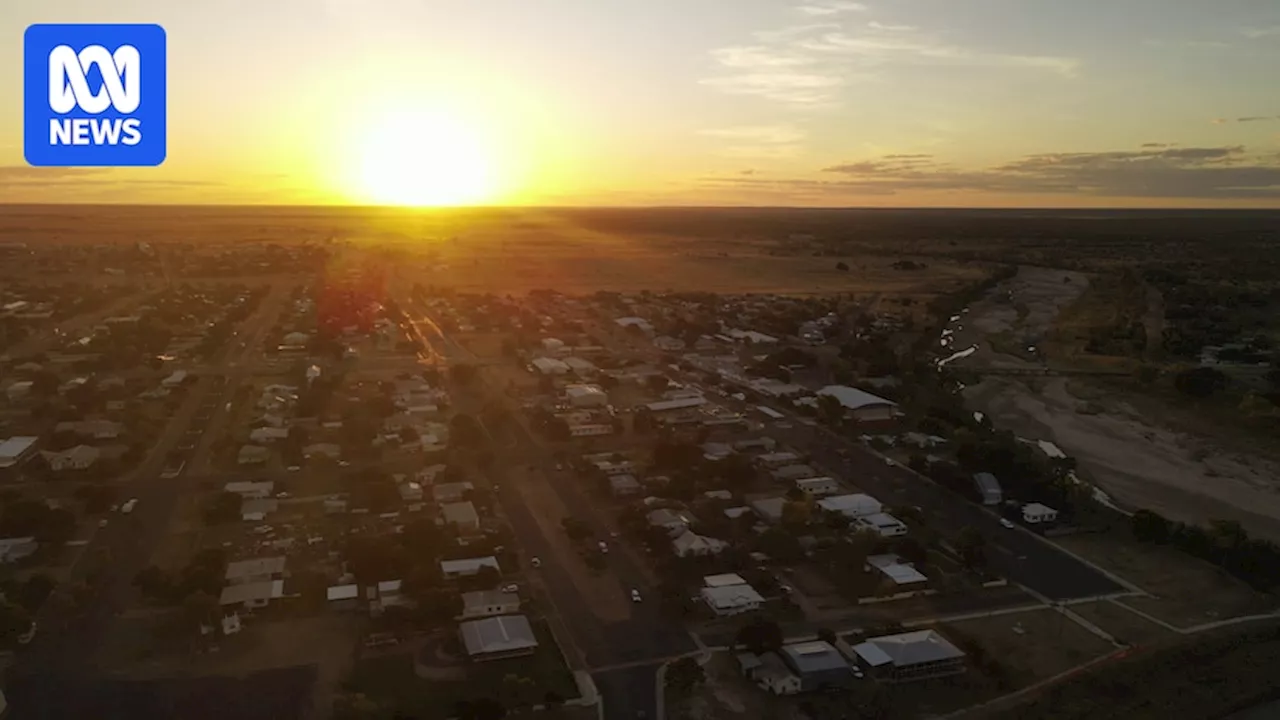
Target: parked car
[
  {"x": 511, "y": 588},
  {"x": 1006, "y": 523},
  {"x": 536, "y": 562},
  {"x": 635, "y": 595},
  {"x": 604, "y": 548}
]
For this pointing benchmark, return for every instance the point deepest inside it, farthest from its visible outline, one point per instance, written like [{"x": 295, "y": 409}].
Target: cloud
[
  {"x": 1158, "y": 145},
  {"x": 812, "y": 64},
  {"x": 1254, "y": 33},
  {"x": 1247, "y": 119},
  {"x": 831, "y": 7},
  {"x": 26, "y": 173},
  {"x": 1153, "y": 172}
]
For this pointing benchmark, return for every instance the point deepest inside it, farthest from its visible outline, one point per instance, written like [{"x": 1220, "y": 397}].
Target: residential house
[
  {"x": 793, "y": 472},
  {"x": 818, "y": 664},
  {"x": 332, "y": 451},
  {"x": 901, "y": 574},
  {"x": 252, "y": 455},
  {"x": 15, "y": 549},
  {"x": 255, "y": 570},
  {"x": 852, "y": 506},
  {"x": 883, "y": 524},
  {"x": 818, "y": 486},
  {"x": 673, "y": 521},
  {"x": 917, "y": 655},
  {"x": 257, "y": 510},
  {"x": 777, "y": 459},
  {"x": 496, "y": 638},
  {"x": 769, "y": 509},
  {"x": 252, "y": 594},
  {"x": 736, "y": 599},
  {"x": 450, "y": 492},
  {"x": 486, "y": 603},
  {"x": 586, "y": 396},
  {"x": 769, "y": 673},
  {"x": 251, "y": 490},
  {"x": 691, "y": 544},
  {"x": 80, "y": 457},
  {"x": 462, "y": 516},
  {"x": 268, "y": 434},
  {"x": 624, "y": 485},
  {"x": 452, "y": 569},
  {"x": 1036, "y": 513},
  {"x": 988, "y": 488},
  {"x": 550, "y": 366}
]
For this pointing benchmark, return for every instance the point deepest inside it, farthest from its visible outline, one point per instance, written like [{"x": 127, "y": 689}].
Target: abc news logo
[
  {"x": 69, "y": 89},
  {"x": 95, "y": 95}
]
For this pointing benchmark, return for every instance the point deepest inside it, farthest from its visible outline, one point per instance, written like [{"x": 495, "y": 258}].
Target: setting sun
[{"x": 424, "y": 159}]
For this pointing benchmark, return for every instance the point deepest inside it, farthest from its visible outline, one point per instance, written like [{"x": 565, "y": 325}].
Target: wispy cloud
[
  {"x": 831, "y": 7},
  {"x": 1246, "y": 119},
  {"x": 812, "y": 64},
  {"x": 1254, "y": 33},
  {"x": 1193, "y": 172}
]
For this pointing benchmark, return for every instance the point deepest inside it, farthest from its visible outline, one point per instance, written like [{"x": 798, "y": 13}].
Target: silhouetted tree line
[{"x": 1224, "y": 543}]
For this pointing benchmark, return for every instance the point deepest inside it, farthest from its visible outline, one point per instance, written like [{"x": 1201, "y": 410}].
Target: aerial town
[{"x": 294, "y": 480}]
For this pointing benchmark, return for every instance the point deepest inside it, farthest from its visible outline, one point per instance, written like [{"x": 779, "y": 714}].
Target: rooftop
[
  {"x": 905, "y": 649},
  {"x": 498, "y": 634},
  {"x": 814, "y": 656}
]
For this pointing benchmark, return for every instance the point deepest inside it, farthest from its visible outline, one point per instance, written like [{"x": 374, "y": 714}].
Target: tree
[
  {"x": 32, "y": 593},
  {"x": 760, "y": 636},
  {"x": 14, "y": 621},
  {"x": 153, "y": 583},
  {"x": 466, "y": 431},
  {"x": 200, "y": 608},
  {"x": 225, "y": 508},
  {"x": 971, "y": 545},
  {"x": 463, "y": 373},
  {"x": 1150, "y": 526},
  {"x": 683, "y": 675},
  {"x": 1200, "y": 382},
  {"x": 480, "y": 709},
  {"x": 827, "y": 635},
  {"x": 842, "y": 266}
]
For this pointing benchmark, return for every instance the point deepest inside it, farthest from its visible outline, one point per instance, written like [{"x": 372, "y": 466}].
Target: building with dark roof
[
  {"x": 498, "y": 637},
  {"x": 818, "y": 665}
]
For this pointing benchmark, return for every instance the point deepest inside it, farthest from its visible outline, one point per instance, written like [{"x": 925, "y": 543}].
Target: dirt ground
[
  {"x": 1033, "y": 645},
  {"x": 1124, "y": 625},
  {"x": 725, "y": 696},
  {"x": 328, "y": 641},
  {"x": 1137, "y": 462},
  {"x": 1186, "y": 592},
  {"x": 1017, "y": 314}
]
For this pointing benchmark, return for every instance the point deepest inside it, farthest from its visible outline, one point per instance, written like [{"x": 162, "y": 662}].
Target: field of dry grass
[
  {"x": 1186, "y": 592},
  {"x": 1032, "y": 645}
]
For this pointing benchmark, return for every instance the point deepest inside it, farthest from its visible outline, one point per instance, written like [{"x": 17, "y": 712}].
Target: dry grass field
[
  {"x": 1033, "y": 645},
  {"x": 1186, "y": 592}
]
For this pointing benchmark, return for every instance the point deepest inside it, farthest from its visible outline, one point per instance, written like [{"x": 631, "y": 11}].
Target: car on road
[
  {"x": 511, "y": 588},
  {"x": 536, "y": 562},
  {"x": 604, "y": 547},
  {"x": 102, "y": 523},
  {"x": 1005, "y": 522},
  {"x": 294, "y": 468},
  {"x": 635, "y": 595},
  {"x": 129, "y": 506}
]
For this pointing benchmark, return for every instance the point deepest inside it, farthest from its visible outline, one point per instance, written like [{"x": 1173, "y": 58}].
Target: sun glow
[{"x": 424, "y": 159}]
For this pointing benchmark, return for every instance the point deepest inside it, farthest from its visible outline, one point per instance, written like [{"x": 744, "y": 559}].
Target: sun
[{"x": 424, "y": 159}]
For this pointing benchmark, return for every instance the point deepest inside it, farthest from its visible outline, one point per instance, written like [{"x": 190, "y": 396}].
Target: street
[{"x": 647, "y": 636}]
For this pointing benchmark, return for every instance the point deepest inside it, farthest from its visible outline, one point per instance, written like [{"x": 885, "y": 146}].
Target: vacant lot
[
  {"x": 1124, "y": 625},
  {"x": 1186, "y": 591},
  {"x": 1030, "y": 646}
]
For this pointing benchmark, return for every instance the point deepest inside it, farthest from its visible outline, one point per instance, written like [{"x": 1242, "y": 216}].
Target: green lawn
[{"x": 390, "y": 680}]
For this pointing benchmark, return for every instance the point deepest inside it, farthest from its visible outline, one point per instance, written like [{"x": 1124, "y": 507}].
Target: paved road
[
  {"x": 57, "y": 665},
  {"x": 1014, "y": 554},
  {"x": 647, "y": 636}
]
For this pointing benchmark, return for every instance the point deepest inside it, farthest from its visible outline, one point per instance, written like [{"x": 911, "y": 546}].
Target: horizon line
[{"x": 492, "y": 208}]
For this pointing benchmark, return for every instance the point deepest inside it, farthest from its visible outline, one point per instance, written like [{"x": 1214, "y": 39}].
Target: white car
[
  {"x": 604, "y": 549},
  {"x": 510, "y": 588},
  {"x": 536, "y": 562},
  {"x": 635, "y": 595},
  {"x": 1005, "y": 523}
]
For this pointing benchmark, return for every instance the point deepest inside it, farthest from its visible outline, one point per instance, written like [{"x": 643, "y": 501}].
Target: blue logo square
[{"x": 94, "y": 95}]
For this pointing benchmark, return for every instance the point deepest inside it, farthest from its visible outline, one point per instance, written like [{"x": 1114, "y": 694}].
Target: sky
[{"x": 984, "y": 103}]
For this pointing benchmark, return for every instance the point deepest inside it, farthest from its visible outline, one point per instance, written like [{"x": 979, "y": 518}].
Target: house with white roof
[{"x": 852, "y": 506}]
